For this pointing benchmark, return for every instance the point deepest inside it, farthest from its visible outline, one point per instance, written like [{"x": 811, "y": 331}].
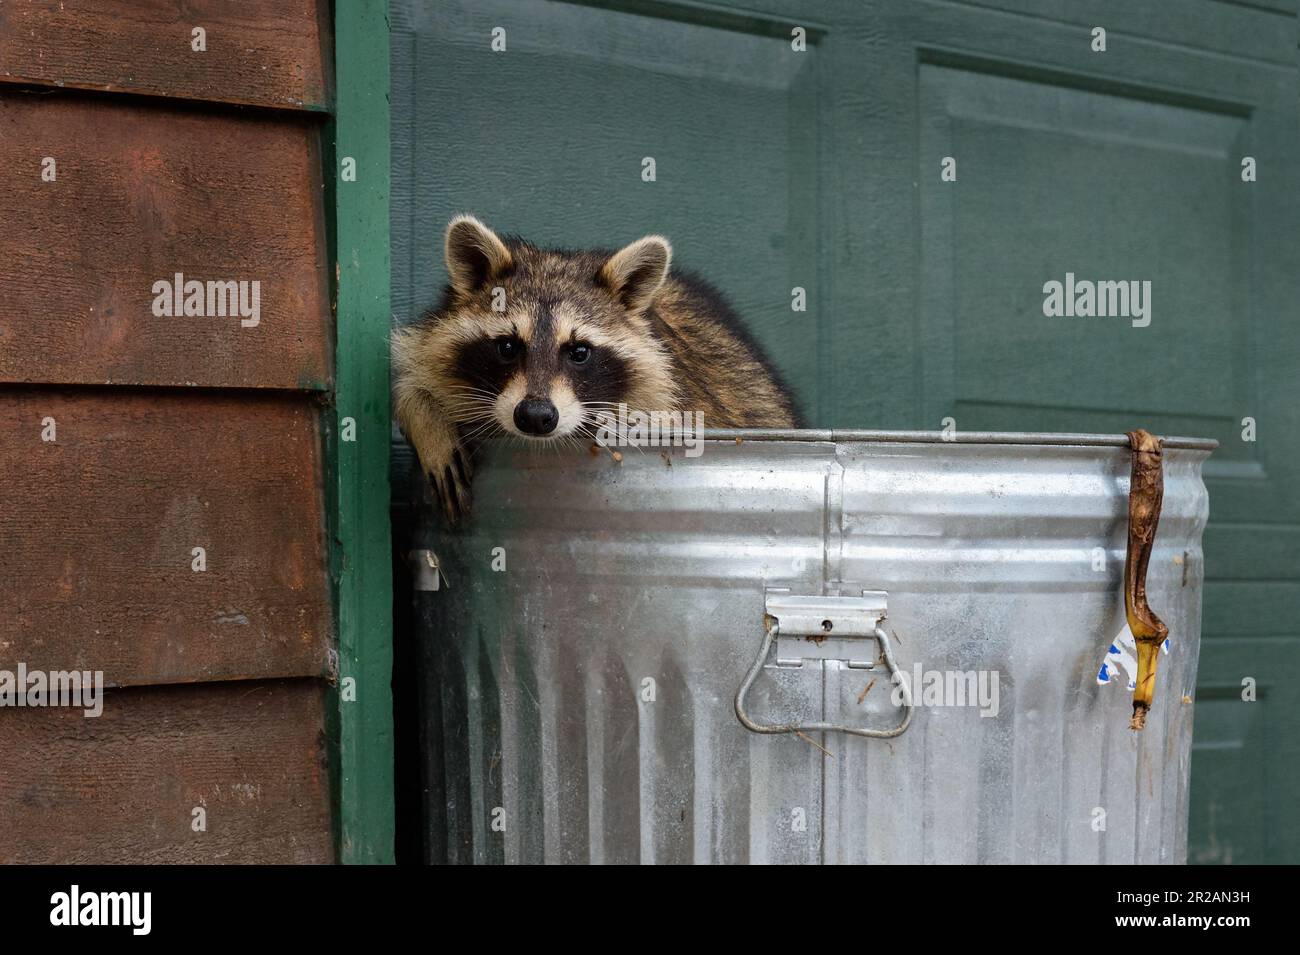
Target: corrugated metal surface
[{"x": 578, "y": 705}]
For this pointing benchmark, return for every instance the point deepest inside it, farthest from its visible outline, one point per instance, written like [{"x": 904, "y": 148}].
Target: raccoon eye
[
  {"x": 508, "y": 349},
  {"x": 578, "y": 354}
]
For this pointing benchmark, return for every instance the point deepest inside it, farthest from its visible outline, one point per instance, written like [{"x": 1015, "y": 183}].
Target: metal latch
[
  {"x": 841, "y": 628},
  {"x": 826, "y": 628}
]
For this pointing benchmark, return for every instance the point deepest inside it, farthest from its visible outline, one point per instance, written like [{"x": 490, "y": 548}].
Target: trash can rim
[{"x": 842, "y": 436}]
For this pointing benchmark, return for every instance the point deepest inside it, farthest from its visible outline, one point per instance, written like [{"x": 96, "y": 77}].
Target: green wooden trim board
[{"x": 357, "y": 212}]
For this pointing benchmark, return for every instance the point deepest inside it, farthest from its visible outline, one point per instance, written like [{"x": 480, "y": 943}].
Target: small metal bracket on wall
[
  {"x": 426, "y": 572},
  {"x": 840, "y": 625}
]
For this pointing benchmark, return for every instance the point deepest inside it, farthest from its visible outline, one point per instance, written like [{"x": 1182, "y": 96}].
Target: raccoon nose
[{"x": 536, "y": 416}]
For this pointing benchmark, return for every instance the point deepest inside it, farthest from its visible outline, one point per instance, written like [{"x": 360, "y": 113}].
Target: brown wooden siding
[
  {"x": 123, "y": 787},
  {"x": 143, "y": 193},
  {"x": 259, "y": 52},
  {"x": 99, "y": 575},
  {"x": 170, "y": 433}
]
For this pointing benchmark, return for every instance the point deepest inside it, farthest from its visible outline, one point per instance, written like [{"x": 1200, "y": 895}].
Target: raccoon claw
[{"x": 451, "y": 487}]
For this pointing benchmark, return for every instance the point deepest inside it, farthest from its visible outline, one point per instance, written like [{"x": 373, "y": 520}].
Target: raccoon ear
[
  {"x": 635, "y": 272},
  {"x": 474, "y": 254}
]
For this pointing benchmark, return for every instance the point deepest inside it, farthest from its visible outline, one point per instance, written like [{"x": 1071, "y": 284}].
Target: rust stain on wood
[
  {"x": 123, "y": 787},
  {"x": 97, "y": 531},
  {"x": 259, "y": 52},
  {"x": 143, "y": 193}
]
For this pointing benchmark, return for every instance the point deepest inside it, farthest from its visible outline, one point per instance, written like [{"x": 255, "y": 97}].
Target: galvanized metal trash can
[{"x": 582, "y": 654}]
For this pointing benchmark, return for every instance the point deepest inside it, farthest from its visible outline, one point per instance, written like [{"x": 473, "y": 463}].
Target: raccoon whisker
[
  {"x": 468, "y": 406},
  {"x": 481, "y": 421},
  {"x": 469, "y": 390},
  {"x": 468, "y": 400},
  {"x": 471, "y": 395},
  {"x": 520, "y": 443},
  {"x": 474, "y": 414},
  {"x": 572, "y": 442},
  {"x": 461, "y": 400},
  {"x": 487, "y": 429},
  {"x": 592, "y": 435}
]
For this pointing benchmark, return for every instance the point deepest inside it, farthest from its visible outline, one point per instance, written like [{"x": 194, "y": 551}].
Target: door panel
[{"x": 1036, "y": 201}]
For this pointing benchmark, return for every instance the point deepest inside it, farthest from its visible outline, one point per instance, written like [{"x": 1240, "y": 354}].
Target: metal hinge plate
[
  {"x": 826, "y": 628},
  {"x": 426, "y": 572}
]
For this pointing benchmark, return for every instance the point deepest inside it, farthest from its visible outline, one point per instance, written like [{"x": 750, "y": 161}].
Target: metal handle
[{"x": 778, "y": 601}]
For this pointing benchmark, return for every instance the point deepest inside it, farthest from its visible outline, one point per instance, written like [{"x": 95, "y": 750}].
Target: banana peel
[{"x": 1146, "y": 494}]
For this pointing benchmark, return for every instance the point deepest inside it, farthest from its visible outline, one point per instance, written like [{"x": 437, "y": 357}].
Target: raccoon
[{"x": 537, "y": 343}]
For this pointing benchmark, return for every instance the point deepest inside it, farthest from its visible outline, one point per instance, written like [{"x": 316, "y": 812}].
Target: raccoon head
[{"x": 539, "y": 343}]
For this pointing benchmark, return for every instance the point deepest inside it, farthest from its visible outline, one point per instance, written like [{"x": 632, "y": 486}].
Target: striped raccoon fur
[{"x": 538, "y": 343}]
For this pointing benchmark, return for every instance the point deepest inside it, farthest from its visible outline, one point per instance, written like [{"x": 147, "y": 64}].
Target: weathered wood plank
[
  {"x": 263, "y": 52},
  {"x": 98, "y": 528},
  {"x": 124, "y": 786},
  {"x": 140, "y": 194}
]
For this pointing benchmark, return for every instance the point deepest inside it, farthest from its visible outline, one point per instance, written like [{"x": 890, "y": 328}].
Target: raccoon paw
[
  {"x": 443, "y": 457},
  {"x": 450, "y": 479}
]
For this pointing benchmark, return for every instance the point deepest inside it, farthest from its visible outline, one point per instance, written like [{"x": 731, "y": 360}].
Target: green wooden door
[{"x": 823, "y": 169}]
